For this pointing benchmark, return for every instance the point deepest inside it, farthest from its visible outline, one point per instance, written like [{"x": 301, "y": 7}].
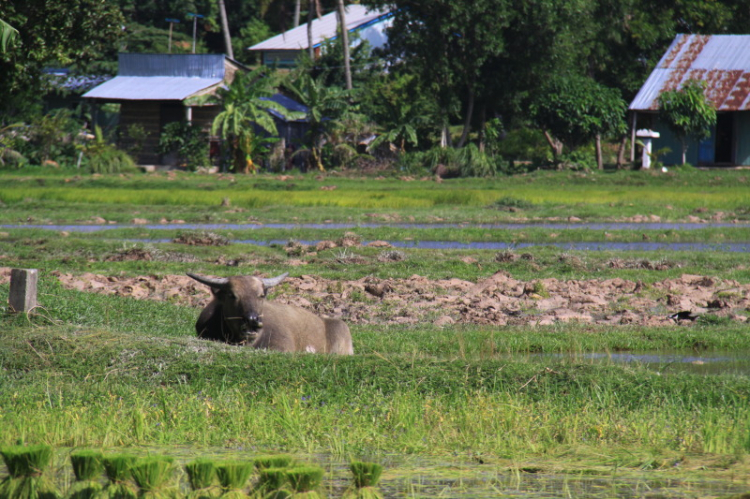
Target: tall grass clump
[
  {"x": 88, "y": 466},
  {"x": 26, "y": 479},
  {"x": 366, "y": 478},
  {"x": 273, "y": 483},
  {"x": 153, "y": 475},
  {"x": 233, "y": 477},
  {"x": 118, "y": 470},
  {"x": 304, "y": 481},
  {"x": 201, "y": 475}
]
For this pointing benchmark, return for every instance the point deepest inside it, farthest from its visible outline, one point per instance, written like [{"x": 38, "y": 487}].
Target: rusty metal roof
[
  {"x": 722, "y": 61},
  {"x": 161, "y": 77}
]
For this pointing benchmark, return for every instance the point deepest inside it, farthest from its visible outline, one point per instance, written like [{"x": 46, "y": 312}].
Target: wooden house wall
[{"x": 148, "y": 115}]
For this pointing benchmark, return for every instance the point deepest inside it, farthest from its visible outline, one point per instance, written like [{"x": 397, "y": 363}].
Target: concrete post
[
  {"x": 647, "y": 137},
  {"x": 22, "y": 296}
]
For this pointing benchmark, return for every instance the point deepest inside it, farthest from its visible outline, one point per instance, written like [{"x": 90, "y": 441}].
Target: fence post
[{"x": 23, "y": 290}]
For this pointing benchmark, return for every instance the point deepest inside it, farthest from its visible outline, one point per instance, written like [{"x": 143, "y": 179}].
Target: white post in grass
[{"x": 22, "y": 296}]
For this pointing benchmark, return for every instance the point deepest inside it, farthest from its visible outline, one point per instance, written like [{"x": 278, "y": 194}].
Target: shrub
[
  {"x": 189, "y": 142},
  {"x": 103, "y": 157}
]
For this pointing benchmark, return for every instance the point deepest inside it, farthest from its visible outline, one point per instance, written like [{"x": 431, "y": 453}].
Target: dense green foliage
[
  {"x": 687, "y": 112},
  {"x": 457, "y": 74}
]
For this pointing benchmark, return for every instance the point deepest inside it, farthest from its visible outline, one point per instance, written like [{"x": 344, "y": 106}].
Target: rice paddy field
[{"x": 459, "y": 410}]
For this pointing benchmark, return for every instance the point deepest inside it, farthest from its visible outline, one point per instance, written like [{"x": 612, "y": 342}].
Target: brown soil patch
[{"x": 499, "y": 299}]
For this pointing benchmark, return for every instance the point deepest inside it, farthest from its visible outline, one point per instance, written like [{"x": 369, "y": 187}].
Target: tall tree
[
  {"x": 225, "y": 29},
  {"x": 574, "y": 110},
  {"x": 60, "y": 32},
  {"x": 449, "y": 44}
]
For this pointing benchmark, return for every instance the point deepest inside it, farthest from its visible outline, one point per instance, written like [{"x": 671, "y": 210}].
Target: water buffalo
[{"x": 240, "y": 314}]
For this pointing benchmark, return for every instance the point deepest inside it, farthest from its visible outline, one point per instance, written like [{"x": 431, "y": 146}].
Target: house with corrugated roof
[
  {"x": 723, "y": 63},
  {"x": 154, "y": 90},
  {"x": 282, "y": 51}
]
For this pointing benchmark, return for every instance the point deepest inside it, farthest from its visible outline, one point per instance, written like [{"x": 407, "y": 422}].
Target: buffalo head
[{"x": 236, "y": 313}]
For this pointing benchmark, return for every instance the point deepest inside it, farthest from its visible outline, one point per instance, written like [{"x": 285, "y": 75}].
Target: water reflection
[{"x": 709, "y": 363}]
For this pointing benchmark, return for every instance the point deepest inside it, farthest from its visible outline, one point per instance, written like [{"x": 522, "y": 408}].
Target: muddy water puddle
[{"x": 714, "y": 363}]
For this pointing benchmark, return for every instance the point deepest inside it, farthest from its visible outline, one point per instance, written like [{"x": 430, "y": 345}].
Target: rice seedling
[
  {"x": 88, "y": 466},
  {"x": 304, "y": 481},
  {"x": 154, "y": 477},
  {"x": 233, "y": 477},
  {"x": 118, "y": 470},
  {"x": 366, "y": 477},
  {"x": 26, "y": 479},
  {"x": 273, "y": 483},
  {"x": 201, "y": 475},
  {"x": 273, "y": 461}
]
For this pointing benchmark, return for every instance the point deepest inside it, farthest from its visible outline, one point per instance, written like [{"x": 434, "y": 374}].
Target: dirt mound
[{"x": 498, "y": 299}]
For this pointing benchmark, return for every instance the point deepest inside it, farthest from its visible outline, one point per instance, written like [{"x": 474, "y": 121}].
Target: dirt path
[{"x": 498, "y": 299}]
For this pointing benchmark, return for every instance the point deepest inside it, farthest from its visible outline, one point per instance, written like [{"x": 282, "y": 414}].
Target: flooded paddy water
[{"x": 428, "y": 244}]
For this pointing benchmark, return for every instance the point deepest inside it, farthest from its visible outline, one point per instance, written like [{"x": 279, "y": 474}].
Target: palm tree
[
  {"x": 246, "y": 103},
  {"x": 323, "y": 104},
  {"x": 399, "y": 125}
]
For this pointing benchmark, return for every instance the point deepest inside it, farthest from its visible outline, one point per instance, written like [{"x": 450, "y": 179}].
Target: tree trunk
[
  {"x": 556, "y": 145},
  {"x": 482, "y": 126},
  {"x": 599, "y": 158},
  {"x": 344, "y": 43},
  {"x": 297, "y": 6},
  {"x": 225, "y": 29},
  {"x": 621, "y": 152},
  {"x": 467, "y": 120},
  {"x": 310, "y": 49}
]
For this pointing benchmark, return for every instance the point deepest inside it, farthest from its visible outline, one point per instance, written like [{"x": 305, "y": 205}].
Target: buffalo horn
[
  {"x": 273, "y": 281},
  {"x": 210, "y": 281}
]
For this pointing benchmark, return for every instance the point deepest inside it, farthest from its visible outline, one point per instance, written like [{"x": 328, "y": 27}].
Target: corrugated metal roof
[
  {"x": 722, "y": 61},
  {"x": 324, "y": 28},
  {"x": 186, "y": 65},
  {"x": 150, "y": 88},
  {"x": 161, "y": 77},
  {"x": 290, "y": 104}
]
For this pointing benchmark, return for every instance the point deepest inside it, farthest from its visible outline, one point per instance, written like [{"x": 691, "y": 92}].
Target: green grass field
[{"x": 99, "y": 371}]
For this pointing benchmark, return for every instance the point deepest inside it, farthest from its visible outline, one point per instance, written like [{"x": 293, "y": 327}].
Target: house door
[{"x": 724, "y": 143}]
